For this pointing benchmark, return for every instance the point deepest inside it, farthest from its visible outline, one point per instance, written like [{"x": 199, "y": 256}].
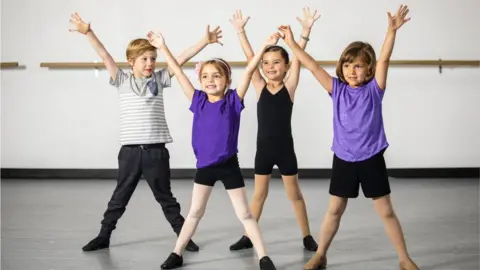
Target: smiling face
[
  {"x": 215, "y": 77},
  {"x": 275, "y": 63},
  {"x": 357, "y": 64},
  {"x": 355, "y": 72}
]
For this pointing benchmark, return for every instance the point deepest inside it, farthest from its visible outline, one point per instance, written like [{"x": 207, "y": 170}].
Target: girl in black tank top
[{"x": 275, "y": 96}]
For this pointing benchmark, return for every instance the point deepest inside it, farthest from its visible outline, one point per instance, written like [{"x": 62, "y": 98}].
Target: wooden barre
[
  {"x": 9, "y": 65},
  {"x": 436, "y": 63}
]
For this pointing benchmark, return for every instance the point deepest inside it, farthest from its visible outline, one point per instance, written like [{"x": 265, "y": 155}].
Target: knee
[
  {"x": 336, "y": 211},
  {"x": 260, "y": 195},
  {"x": 386, "y": 212},
  {"x": 384, "y": 207},
  {"x": 196, "y": 213},
  {"x": 295, "y": 194},
  {"x": 244, "y": 215}
]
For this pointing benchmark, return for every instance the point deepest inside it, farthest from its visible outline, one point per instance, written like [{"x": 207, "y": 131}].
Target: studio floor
[{"x": 46, "y": 222}]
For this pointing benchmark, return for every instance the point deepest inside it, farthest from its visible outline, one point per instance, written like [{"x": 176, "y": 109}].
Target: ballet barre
[
  {"x": 5, "y": 65},
  {"x": 440, "y": 63}
]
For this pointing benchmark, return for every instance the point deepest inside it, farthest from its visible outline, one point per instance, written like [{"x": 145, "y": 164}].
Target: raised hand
[
  {"x": 308, "y": 18},
  {"x": 286, "y": 33},
  {"x": 213, "y": 36},
  {"x": 156, "y": 39},
  {"x": 397, "y": 20},
  {"x": 272, "y": 40},
  {"x": 238, "y": 21},
  {"x": 80, "y": 25}
]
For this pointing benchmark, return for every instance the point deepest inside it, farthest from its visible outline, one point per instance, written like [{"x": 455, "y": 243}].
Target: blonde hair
[
  {"x": 222, "y": 66},
  {"x": 138, "y": 47},
  {"x": 362, "y": 50}
]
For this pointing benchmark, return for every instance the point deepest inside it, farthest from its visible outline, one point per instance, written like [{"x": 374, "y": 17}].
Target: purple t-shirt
[
  {"x": 215, "y": 127},
  {"x": 358, "y": 131}
]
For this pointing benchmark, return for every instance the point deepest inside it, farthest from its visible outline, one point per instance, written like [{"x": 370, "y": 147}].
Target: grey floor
[{"x": 45, "y": 224}]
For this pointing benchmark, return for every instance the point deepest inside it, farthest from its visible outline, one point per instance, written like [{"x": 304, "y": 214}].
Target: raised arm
[
  {"x": 394, "y": 23},
  {"x": 318, "y": 72},
  {"x": 85, "y": 29},
  {"x": 252, "y": 65},
  {"x": 239, "y": 23},
  {"x": 209, "y": 38},
  {"x": 307, "y": 22},
  {"x": 157, "y": 40}
]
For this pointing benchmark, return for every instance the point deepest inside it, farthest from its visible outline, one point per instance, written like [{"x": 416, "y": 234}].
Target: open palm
[
  {"x": 399, "y": 19},
  {"x": 156, "y": 39},
  {"x": 213, "y": 36},
  {"x": 238, "y": 21},
  {"x": 308, "y": 18},
  {"x": 79, "y": 24}
]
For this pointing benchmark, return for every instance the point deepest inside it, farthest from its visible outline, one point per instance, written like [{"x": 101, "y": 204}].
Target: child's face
[
  {"x": 355, "y": 72},
  {"x": 274, "y": 66},
  {"x": 212, "y": 81},
  {"x": 144, "y": 65}
]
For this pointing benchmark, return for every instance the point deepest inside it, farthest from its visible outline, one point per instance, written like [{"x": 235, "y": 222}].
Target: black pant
[{"x": 153, "y": 161}]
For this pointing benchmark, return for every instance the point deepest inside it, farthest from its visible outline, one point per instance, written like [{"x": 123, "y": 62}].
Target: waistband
[{"x": 146, "y": 146}]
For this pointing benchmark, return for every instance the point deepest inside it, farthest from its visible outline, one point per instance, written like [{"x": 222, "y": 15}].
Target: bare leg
[
  {"x": 200, "y": 196},
  {"x": 295, "y": 195},
  {"x": 260, "y": 194},
  {"x": 330, "y": 225},
  {"x": 239, "y": 200},
  {"x": 384, "y": 208}
]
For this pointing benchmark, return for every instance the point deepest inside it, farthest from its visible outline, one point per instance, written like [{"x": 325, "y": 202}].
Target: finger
[
  {"x": 218, "y": 32},
  {"x": 246, "y": 19},
  {"x": 308, "y": 12},
  {"x": 208, "y": 29},
  {"x": 219, "y": 42},
  {"x": 219, "y": 37},
  {"x": 389, "y": 15},
  {"x": 72, "y": 30},
  {"x": 240, "y": 13},
  {"x": 304, "y": 12},
  {"x": 300, "y": 20},
  {"x": 216, "y": 29},
  {"x": 314, "y": 15}
]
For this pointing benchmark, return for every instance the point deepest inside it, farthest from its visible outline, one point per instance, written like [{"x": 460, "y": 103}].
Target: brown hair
[
  {"x": 222, "y": 66},
  {"x": 138, "y": 47},
  {"x": 280, "y": 49},
  {"x": 354, "y": 50}
]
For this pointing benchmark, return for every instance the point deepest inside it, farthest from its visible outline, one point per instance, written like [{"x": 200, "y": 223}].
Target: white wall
[{"x": 68, "y": 118}]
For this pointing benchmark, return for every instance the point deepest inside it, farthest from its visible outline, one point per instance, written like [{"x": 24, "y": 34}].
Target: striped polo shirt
[{"x": 142, "y": 115}]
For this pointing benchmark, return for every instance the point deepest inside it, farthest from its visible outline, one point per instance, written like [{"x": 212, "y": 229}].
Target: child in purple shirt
[
  {"x": 359, "y": 137},
  {"x": 216, "y": 121}
]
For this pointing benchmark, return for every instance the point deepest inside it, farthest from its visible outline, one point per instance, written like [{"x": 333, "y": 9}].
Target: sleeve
[
  {"x": 120, "y": 79},
  {"x": 234, "y": 101},
  {"x": 197, "y": 100},
  {"x": 336, "y": 88},
  {"x": 375, "y": 89},
  {"x": 163, "y": 78}
]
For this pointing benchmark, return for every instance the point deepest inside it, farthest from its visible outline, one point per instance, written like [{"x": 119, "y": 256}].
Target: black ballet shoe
[
  {"x": 173, "y": 261},
  {"x": 243, "y": 243},
  {"x": 99, "y": 242},
  {"x": 191, "y": 246},
  {"x": 266, "y": 264},
  {"x": 309, "y": 243}
]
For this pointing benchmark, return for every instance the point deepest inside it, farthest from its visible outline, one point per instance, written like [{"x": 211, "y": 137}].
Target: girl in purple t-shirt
[
  {"x": 359, "y": 137},
  {"x": 216, "y": 120}
]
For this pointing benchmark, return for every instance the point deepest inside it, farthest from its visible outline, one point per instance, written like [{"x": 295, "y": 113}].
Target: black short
[
  {"x": 370, "y": 173},
  {"x": 228, "y": 172},
  {"x": 280, "y": 152}
]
